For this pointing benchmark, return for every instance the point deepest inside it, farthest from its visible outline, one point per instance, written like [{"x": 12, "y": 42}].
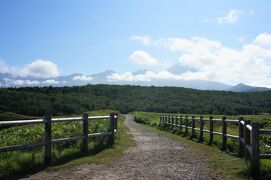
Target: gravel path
[{"x": 153, "y": 157}]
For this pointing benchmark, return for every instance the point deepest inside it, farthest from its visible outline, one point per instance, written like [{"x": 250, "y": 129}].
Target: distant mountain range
[
  {"x": 246, "y": 88},
  {"x": 8, "y": 80}
]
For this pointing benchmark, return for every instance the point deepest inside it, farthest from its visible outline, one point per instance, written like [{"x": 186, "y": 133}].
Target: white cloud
[
  {"x": 29, "y": 82},
  {"x": 263, "y": 39},
  {"x": 50, "y": 81},
  {"x": 82, "y": 78},
  {"x": 3, "y": 67},
  {"x": 19, "y": 82},
  {"x": 150, "y": 75},
  {"x": 38, "y": 68},
  {"x": 144, "y": 39},
  {"x": 211, "y": 60},
  {"x": 42, "y": 69},
  {"x": 127, "y": 76},
  {"x": 183, "y": 45},
  {"x": 143, "y": 58},
  {"x": 231, "y": 17}
]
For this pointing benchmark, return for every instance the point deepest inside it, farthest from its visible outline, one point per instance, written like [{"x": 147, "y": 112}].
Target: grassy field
[
  {"x": 19, "y": 163},
  {"x": 242, "y": 168}
]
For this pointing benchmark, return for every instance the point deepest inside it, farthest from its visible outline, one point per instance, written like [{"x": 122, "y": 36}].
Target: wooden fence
[
  {"x": 249, "y": 134},
  {"x": 48, "y": 141}
]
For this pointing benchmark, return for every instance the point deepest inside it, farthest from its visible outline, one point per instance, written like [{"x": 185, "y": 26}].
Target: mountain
[
  {"x": 177, "y": 69},
  {"x": 140, "y": 71},
  {"x": 8, "y": 80},
  {"x": 246, "y": 88},
  {"x": 101, "y": 78}
]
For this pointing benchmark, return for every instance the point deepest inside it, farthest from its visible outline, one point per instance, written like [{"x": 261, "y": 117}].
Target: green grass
[
  {"x": 19, "y": 163},
  {"x": 7, "y": 116},
  {"x": 123, "y": 142},
  {"x": 234, "y": 164}
]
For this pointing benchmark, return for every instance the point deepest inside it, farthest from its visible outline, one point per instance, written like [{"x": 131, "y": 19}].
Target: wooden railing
[
  {"x": 249, "y": 134},
  {"x": 48, "y": 141}
]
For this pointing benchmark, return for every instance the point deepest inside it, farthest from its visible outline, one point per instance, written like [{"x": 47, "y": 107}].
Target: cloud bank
[
  {"x": 143, "y": 58},
  {"x": 250, "y": 64},
  {"x": 38, "y": 69},
  {"x": 82, "y": 78}
]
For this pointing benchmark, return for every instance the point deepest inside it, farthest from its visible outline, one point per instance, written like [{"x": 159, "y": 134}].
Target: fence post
[
  {"x": 116, "y": 121},
  {"x": 176, "y": 122},
  {"x": 211, "y": 129},
  {"x": 224, "y": 134},
  {"x": 246, "y": 139},
  {"x": 48, "y": 139},
  {"x": 167, "y": 121},
  {"x": 112, "y": 128},
  {"x": 193, "y": 128},
  {"x": 186, "y": 125},
  {"x": 201, "y": 129},
  {"x": 181, "y": 123},
  {"x": 164, "y": 121},
  {"x": 241, "y": 137},
  {"x": 160, "y": 123},
  {"x": 172, "y": 122},
  {"x": 85, "y": 133},
  {"x": 255, "y": 159}
]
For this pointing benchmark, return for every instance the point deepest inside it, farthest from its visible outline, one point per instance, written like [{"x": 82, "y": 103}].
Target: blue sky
[{"x": 80, "y": 36}]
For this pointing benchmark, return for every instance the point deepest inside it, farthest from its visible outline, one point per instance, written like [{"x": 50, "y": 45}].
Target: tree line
[{"x": 37, "y": 101}]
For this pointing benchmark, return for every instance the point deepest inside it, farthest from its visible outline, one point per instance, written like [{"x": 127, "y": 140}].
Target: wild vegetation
[
  {"x": 33, "y": 102},
  {"x": 153, "y": 119},
  {"x": 25, "y": 161},
  {"x": 38, "y": 101}
]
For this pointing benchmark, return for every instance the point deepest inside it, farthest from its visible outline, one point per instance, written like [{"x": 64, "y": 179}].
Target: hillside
[
  {"x": 37, "y": 101},
  {"x": 246, "y": 88}
]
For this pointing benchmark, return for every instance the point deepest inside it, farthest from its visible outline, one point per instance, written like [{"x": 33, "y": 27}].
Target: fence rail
[
  {"x": 249, "y": 134},
  {"x": 47, "y": 121}
]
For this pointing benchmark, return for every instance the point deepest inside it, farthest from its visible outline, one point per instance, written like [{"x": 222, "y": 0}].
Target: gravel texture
[{"x": 153, "y": 157}]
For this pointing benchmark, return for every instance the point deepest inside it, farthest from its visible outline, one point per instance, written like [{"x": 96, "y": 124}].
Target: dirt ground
[{"x": 153, "y": 157}]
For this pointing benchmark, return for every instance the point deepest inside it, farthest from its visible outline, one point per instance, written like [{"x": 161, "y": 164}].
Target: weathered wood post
[
  {"x": 211, "y": 129},
  {"x": 160, "y": 123},
  {"x": 85, "y": 133},
  {"x": 167, "y": 121},
  {"x": 193, "y": 128},
  {"x": 241, "y": 137},
  {"x": 116, "y": 121},
  {"x": 201, "y": 129},
  {"x": 255, "y": 159},
  {"x": 172, "y": 122},
  {"x": 48, "y": 138},
  {"x": 176, "y": 122},
  {"x": 186, "y": 125},
  {"x": 112, "y": 128},
  {"x": 224, "y": 133},
  {"x": 181, "y": 123},
  {"x": 246, "y": 139}
]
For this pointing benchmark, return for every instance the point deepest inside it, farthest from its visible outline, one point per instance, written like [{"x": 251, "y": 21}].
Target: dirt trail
[{"x": 153, "y": 157}]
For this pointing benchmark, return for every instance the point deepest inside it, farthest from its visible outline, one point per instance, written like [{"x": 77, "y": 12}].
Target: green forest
[{"x": 38, "y": 101}]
